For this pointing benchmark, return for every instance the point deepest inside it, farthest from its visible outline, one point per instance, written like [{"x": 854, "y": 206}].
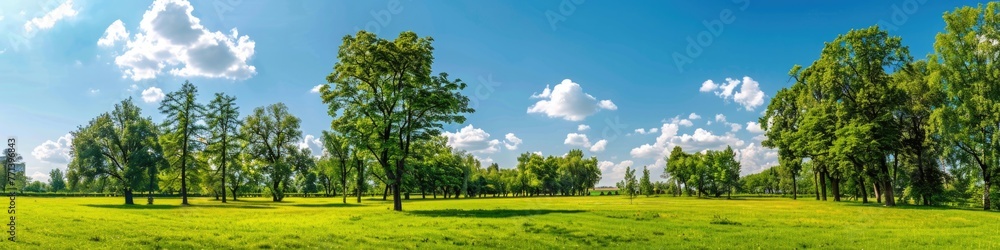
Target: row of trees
[
  {"x": 867, "y": 115},
  {"x": 704, "y": 173}
]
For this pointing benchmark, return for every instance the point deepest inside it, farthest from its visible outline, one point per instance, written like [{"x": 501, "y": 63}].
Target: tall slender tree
[
  {"x": 183, "y": 129},
  {"x": 223, "y": 122}
]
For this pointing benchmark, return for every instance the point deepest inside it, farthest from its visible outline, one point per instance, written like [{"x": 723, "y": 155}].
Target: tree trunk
[
  {"x": 816, "y": 184},
  {"x": 862, "y": 189},
  {"x": 878, "y": 194},
  {"x": 234, "y": 193},
  {"x": 397, "y": 203},
  {"x": 795, "y": 188},
  {"x": 887, "y": 193},
  {"x": 275, "y": 196},
  {"x": 128, "y": 197},
  {"x": 385, "y": 192},
  {"x": 986, "y": 193},
  {"x": 822, "y": 183},
  {"x": 835, "y": 187}
]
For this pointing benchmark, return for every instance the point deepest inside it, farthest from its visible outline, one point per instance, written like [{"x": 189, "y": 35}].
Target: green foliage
[
  {"x": 56, "y": 180},
  {"x": 182, "y": 131},
  {"x": 271, "y": 133},
  {"x": 222, "y": 118},
  {"x": 384, "y": 96},
  {"x": 120, "y": 147},
  {"x": 645, "y": 186}
]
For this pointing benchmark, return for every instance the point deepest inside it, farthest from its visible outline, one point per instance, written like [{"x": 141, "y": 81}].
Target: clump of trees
[
  {"x": 870, "y": 118},
  {"x": 708, "y": 173}
]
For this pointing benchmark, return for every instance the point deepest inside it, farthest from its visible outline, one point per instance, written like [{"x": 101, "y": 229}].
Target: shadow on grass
[
  {"x": 494, "y": 213},
  {"x": 328, "y": 205},
  {"x": 911, "y": 207},
  {"x": 123, "y": 206},
  {"x": 160, "y": 207}
]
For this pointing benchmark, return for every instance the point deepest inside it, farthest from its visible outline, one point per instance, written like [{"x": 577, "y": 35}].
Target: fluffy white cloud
[
  {"x": 537, "y": 152},
  {"x": 735, "y": 127},
  {"x": 611, "y": 172},
  {"x": 749, "y": 95},
  {"x": 39, "y": 176},
  {"x": 574, "y": 139},
  {"x": 582, "y": 127},
  {"x": 720, "y": 118},
  {"x": 701, "y": 139},
  {"x": 54, "y": 151},
  {"x": 694, "y": 116},
  {"x": 682, "y": 122},
  {"x": 94, "y": 91},
  {"x": 754, "y": 127},
  {"x": 152, "y": 95},
  {"x": 599, "y": 146},
  {"x": 170, "y": 38},
  {"x": 49, "y": 20},
  {"x": 474, "y": 140},
  {"x": 315, "y": 89},
  {"x": 755, "y": 158},
  {"x": 708, "y": 86},
  {"x": 114, "y": 33},
  {"x": 511, "y": 141},
  {"x": 640, "y": 131},
  {"x": 310, "y": 139},
  {"x": 568, "y": 101}
]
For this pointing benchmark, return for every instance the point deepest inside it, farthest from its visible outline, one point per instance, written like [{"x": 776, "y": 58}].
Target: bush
[{"x": 602, "y": 193}]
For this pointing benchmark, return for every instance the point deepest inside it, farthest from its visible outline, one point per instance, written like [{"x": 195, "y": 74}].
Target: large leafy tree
[
  {"x": 271, "y": 133},
  {"x": 966, "y": 62},
  {"x": 382, "y": 93},
  {"x": 183, "y": 130},
  {"x": 121, "y": 145},
  {"x": 863, "y": 60},
  {"x": 222, "y": 117}
]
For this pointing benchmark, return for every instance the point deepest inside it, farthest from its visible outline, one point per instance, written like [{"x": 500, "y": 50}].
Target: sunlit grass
[{"x": 543, "y": 222}]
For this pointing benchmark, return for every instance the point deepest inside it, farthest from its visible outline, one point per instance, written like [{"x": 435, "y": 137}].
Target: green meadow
[{"x": 538, "y": 222}]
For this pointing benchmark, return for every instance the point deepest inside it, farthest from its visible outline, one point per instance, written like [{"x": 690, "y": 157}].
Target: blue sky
[{"x": 632, "y": 65}]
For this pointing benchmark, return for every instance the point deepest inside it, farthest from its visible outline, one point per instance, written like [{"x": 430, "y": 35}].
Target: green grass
[{"x": 560, "y": 222}]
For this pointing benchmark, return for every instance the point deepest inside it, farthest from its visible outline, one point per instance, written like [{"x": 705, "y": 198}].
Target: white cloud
[
  {"x": 720, "y": 118},
  {"x": 640, "y": 131},
  {"x": 473, "y": 140},
  {"x": 685, "y": 122},
  {"x": 749, "y": 95},
  {"x": 611, "y": 173},
  {"x": 582, "y": 127},
  {"x": 708, "y": 86},
  {"x": 39, "y": 176},
  {"x": 310, "y": 139},
  {"x": 754, "y": 127},
  {"x": 599, "y": 146},
  {"x": 54, "y": 151},
  {"x": 511, "y": 141},
  {"x": 669, "y": 137},
  {"x": 682, "y": 122},
  {"x": 132, "y": 88},
  {"x": 315, "y": 89},
  {"x": 574, "y": 139},
  {"x": 735, "y": 127},
  {"x": 694, "y": 116},
  {"x": 93, "y": 91},
  {"x": 755, "y": 158},
  {"x": 152, "y": 95},
  {"x": 537, "y": 153},
  {"x": 568, "y": 101},
  {"x": 115, "y": 32},
  {"x": 170, "y": 38},
  {"x": 49, "y": 20}
]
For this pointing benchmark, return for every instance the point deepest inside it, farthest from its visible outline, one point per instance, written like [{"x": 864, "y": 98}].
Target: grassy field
[{"x": 561, "y": 222}]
